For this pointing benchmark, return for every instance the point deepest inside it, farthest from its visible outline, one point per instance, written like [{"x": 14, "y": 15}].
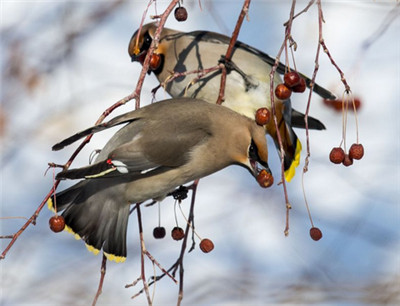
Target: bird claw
[{"x": 179, "y": 193}]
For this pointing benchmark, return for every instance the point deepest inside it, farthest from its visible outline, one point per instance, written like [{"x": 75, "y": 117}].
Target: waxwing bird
[
  {"x": 247, "y": 85},
  {"x": 161, "y": 147}
]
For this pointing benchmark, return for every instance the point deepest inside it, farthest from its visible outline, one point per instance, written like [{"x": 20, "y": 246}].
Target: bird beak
[
  {"x": 139, "y": 57},
  {"x": 257, "y": 166}
]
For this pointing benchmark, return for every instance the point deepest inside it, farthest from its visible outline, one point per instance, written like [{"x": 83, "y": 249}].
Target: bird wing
[
  {"x": 281, "y": 69},
  {"x": 157, "y": 144},
  {"x": 125, "y": 118}
]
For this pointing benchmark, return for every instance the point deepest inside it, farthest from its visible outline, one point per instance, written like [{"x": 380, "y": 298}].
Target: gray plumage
[{"x": 163, "y": 146}]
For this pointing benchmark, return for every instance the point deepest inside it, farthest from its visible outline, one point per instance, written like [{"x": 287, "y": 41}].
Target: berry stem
[
  {"x": 176, "y": 217},
  {"x": 159, "y": 214},
  {"x": 54, "y": 190},
  {"x": 345, "y": 108},
  {"x": 305, "y": 200},
  {"x": 288, "y": 26},
  {"x": 355, "y": 117},
  {"x": 188, "y": 223}
]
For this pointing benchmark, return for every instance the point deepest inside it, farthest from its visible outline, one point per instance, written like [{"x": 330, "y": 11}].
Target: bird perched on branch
[
  {"x": 161, "y": 147},
  {"x": 247, "y": 84}
]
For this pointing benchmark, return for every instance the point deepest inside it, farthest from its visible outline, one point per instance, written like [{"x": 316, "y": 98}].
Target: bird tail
[
  {"x": 290, "y": 143},
  {"x": 297, "y": 121},
  {"x": 93, "y": 211},
  {"x": 287, "y": 119},
  {"x": 291, "y": 146}
]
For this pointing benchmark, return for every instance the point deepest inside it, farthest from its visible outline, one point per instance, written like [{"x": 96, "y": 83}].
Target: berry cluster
[
  {"x": 262, "y": 117},
  {"x": 338, "y": 156},
  {"x": 293, "y": 82},
  {"x": 339, "y": 105},
  {"x": 177, "y": 233}
]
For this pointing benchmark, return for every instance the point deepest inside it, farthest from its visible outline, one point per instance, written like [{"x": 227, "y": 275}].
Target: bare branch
[{"x": 229, "y": 51}]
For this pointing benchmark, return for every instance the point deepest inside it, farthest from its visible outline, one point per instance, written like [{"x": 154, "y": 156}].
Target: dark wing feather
[
  {"x": 297, "y": 121},
  {"x": 281, "y": 69},
  {"x": 148, "y": 149},
  {"x": 125, "y": 118}
]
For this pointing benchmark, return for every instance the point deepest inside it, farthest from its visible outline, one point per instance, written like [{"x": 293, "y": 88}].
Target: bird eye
[
  {"x": 253, "y": 152},
  {"x": 146, "y": 41}
]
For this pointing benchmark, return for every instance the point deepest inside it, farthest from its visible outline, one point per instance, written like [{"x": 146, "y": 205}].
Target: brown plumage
[{"x": 164, "y": 145}]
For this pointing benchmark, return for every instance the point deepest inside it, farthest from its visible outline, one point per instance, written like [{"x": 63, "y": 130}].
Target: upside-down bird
[{"x": 247, "y": 85}]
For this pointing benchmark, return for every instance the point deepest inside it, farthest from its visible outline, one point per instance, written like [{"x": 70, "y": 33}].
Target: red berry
[
  {"x": 347, "y": 161},
  {"x": 291, "y": 79},
  {"x": 57, "y": 223},
  {"x": 155, "y": 61},
  {"x": 338, "y": 104},
  {"x": 335, "y": 104},
  {"x": 265, "y": 179},
  {"x": 177, "y": 233},
  {"x": 356, "y": 151},
  {"x": 206, "y": 245},
  {"x": 315, "y": 233},
  {"x": 282, "y": 92},
  {"x": 159, "y": 232},
  {"x": 263, "y": 115},
  {"x": 301, "y": 87},
  {"x": 357, "y": 103},
  {"x": 181, "y": 14},
  {"x": 337, "y": 155}
]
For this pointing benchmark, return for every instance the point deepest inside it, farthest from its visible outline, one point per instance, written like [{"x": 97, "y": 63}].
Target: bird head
[
  {"x": 257, "y": 150},
  {"x": 140, "y": 42},
  {"x": 250, "y": 150}
]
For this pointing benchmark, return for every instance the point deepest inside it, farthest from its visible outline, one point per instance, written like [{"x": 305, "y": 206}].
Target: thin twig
[
  {"x": 308, "y": 154},
  {"x": 153, "y": 45},
  {"x": 325, "y": 48},
  {"x": 273, "y": 108},
  {"x": 314, "y": 75},
  {"x": 301, "y": 12},
  {"x": 102, "y": 275},
  {"x": 142, "y": 252},
  {"x": 184, "y": 242},
  {"x": 200, "y": 74},
  {"x": 154, "y": 261},
  {"x": 179, "y": 262},
  {"x": 32, "y": 220},
  {"x": 7, "y": 237},
  {"x": 229, "y": 51}
]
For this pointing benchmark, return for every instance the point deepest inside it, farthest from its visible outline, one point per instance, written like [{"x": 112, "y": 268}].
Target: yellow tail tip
[
  {"x": 115, "y": 258},
  {"x": 69, "y": 230},
  {"x": 50, "y": 205},
  {"x": 289, "y": 173},
  {"x": 92, "y": 249}
]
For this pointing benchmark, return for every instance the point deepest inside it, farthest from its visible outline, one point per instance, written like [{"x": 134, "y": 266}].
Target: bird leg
[{"x": 180, "y": 193}]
